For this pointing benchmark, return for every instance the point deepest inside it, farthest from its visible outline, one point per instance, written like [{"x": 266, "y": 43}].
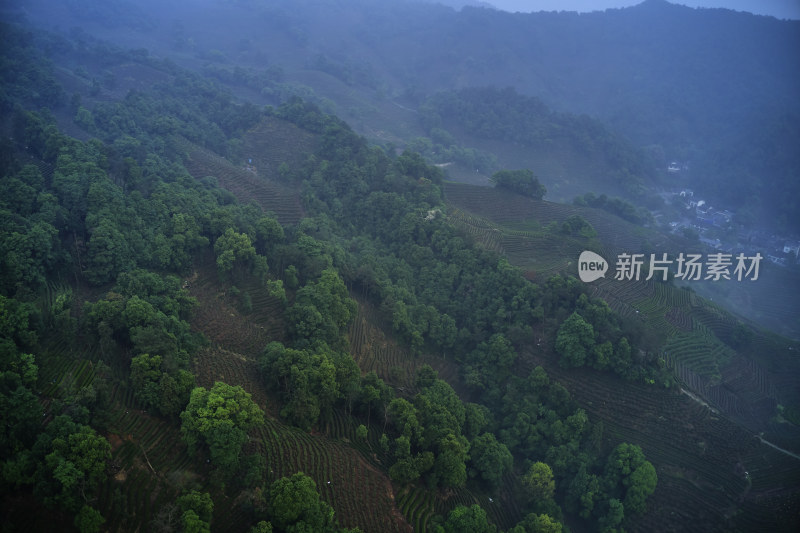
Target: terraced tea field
[
  {"x": 360, "y": 493},
  {"x": 220, "y": 315},
  {"x": 540, "y": 253},
  {"x": 150, "y": 466},
  {"x": 687, "y": 328},
  {"x": 246, "y": 184},
  {"x": 714, "y": 471},
  {"x": 698, "y": 450},
  {"x": 700, "y": 455},
  {"x": 349, "y": 474},
  {"x": 351, "y": 478},
  {"x": 273, "y": 142},
  {"x": 375, "y": 352}
]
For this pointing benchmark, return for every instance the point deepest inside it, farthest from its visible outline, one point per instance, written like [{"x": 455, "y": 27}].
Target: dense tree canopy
[
  {"x": 121, "y": 215},
  {"x": 575, "y": 339},
  {"x": 218, "y": 420},
  {"x": 471, "y": 519},
  {"x": 71, "y": 460},
  {"x": 629, "y": 475},
  {"x": 295, "y": 505},
  {"x": 520, "y": 181},
  {"x": 538, "y": 481},
  {"x": 490, "y": 458}
]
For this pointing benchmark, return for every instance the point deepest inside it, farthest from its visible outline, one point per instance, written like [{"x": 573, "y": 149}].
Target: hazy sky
[{"x": 776, "y": 8}]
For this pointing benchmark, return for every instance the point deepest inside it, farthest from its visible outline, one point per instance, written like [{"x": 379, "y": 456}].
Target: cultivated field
[{"x": 704, "y": 436}]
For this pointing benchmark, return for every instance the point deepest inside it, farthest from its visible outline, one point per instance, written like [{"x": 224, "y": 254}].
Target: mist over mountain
[
  {"x": 359, "y": 265},
  {"x": 458, "y": 4},
  {"x": 712, "y": 88}
]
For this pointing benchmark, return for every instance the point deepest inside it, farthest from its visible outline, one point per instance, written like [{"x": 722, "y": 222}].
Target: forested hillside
[
  {"x": 220, "y": 315},
  {"x": 710, "y": 88}
]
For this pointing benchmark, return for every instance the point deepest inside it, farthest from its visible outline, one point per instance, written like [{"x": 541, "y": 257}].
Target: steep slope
[
  {"x": 705, "y": 437},
  {"x": 377, "y": 279}
]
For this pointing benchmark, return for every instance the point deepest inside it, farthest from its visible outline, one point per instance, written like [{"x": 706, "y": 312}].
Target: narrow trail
[
  {"x": 787, "y": 452},
  {"x": 404, "y": 107},
  {"x": 768, "y": 443},
  {"x": 698, "y": 400}
]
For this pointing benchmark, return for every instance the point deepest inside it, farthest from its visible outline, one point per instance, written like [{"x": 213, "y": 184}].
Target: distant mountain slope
[
  {"x": 376, "y": 266},
  {"x": 712, "y": 87},
  {"x": 580, "y": 148},
  {"x": 457, "y": 4}
]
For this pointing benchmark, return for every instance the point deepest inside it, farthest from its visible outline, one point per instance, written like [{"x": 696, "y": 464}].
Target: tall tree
[
  {"x": 295, "y": 505},
  {"x": 219, "y": 419},
  {"x": 629, "y": 476},
  {"x": 490, "y": 458},
  {"x": 520, "y": 181},
  {"x": 73, "y": 462},
  {"x": 450, "y": 466},
  {"x": 538, "y": 482},
  {"x": 472, "y": 519},
  {"x": 574, "y": 341},
  {"x": 233, "y": 250}
]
